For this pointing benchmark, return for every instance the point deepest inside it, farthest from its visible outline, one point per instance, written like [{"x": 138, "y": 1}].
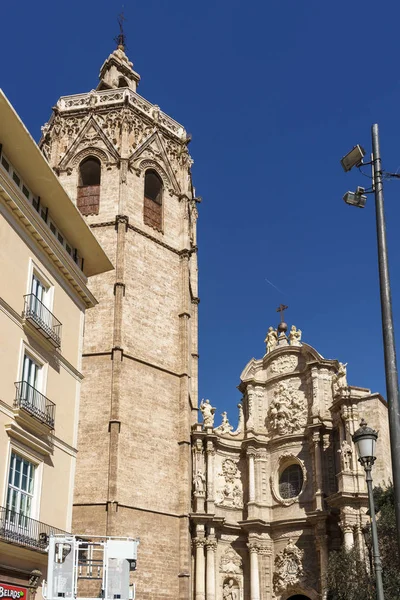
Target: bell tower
[{"x": 126, "y": 165}]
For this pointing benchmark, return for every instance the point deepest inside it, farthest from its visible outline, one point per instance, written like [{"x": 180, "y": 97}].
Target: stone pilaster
[
  {"x": 321, "y": 539},
  {"x": 210, "y": 453},
  {"x": 211, "y": 547},
  {"x": 199, "y": 543},
  {"x": 253, "y": 547}
]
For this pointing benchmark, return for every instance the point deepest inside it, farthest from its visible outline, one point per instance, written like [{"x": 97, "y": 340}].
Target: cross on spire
[
  {"x": 281, "y": 309},
  {"x": 120, "y": 39}
]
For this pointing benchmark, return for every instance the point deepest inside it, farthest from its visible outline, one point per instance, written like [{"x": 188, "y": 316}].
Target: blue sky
[{"x": 274, "y": 93}]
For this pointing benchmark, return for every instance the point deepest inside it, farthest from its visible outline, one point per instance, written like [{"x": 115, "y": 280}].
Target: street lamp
[
  {"x": 365, "y": 441},
  {"x": 354, "y": 159}
]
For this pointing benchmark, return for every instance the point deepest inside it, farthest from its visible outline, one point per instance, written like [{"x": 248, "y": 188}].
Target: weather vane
[{"x": 120, "y": 39}]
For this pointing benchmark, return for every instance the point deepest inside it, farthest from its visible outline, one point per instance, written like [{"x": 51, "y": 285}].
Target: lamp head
[
  {"x": 357, "y": 198},
  {"x": 353, "y": 158},
  {"x": 365, "y": 441}
]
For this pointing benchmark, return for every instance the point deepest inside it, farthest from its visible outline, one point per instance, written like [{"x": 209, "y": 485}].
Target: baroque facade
[
  {"x": 126, "y": 165},
  {"x": 272, "y": 497}
]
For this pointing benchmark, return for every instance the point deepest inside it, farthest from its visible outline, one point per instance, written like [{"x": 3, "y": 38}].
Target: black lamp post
[{"x": 365, "y": 441}]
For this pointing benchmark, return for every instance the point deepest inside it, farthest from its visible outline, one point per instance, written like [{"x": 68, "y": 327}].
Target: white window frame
[
  {"x": 35, "y": 271},
  {"x": 37, "y": 461},
  {"x": 43, "y": 365}
]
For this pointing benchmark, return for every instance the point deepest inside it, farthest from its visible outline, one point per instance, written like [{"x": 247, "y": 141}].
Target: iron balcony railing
[
  {"x": 24, "y": 531},
  {"x": 35, "y": 403},
  {"x": 40, "y": 316}
]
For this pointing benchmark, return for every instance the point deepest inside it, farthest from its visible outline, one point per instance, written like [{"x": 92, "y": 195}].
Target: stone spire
[{"x": 117, "y": 71}]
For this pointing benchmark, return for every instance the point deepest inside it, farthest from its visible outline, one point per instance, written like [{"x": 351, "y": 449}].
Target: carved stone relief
[
  {"x": 288, "y": 410},
  {"x": 229, "y": 489},
  {"x": 288, "y": 567},
  {"x": 230, "y": 561},
  {"x": 284, "y": 364}
]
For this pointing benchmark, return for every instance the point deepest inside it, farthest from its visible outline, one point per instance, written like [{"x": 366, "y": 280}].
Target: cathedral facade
[{"x": 245, "y": 513}]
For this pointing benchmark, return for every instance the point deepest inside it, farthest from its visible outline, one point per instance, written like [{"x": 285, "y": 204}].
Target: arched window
[
  {"x": 290, "y": 481},
  {"x": 122, "y": 82},
  {"x": 152, "y": 206},
  {"x": 88, "y": 198}
]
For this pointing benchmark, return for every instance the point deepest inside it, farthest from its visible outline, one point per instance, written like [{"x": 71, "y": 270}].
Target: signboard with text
[{"x": 15, "y": 592}]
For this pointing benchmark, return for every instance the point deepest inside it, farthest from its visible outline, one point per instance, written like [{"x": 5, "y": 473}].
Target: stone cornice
[
  {"x": 114, "y": 98},
  {"x": 41, "y": 235}
]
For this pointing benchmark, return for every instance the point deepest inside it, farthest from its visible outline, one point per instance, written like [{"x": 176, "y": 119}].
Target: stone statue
[
  {"x": 198, "y": 482},
  {"x": 271, "y": 340},
  {"x": 339, "y": 379},
  {"x": 208, "y": 413},
  {"x": 225, "y": 426},
  {"x": 288, "y": 567},
  {"x": 287, "y": 412},
  {"x": 230, "y": 590},
  {"x": 295, "y": 336},
  {"x": 346, "y": 453}
]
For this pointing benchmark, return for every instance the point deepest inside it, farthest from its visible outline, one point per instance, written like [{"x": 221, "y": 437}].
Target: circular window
[{"x": 290, "y": 482}]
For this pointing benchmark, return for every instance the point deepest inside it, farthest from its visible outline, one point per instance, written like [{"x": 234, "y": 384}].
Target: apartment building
[{"x": 47, "y": 253}]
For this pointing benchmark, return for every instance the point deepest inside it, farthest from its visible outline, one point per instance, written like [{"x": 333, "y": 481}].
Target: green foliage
[
  {"x": 386, "y": 522},
  {"x": 348, "y": 577},
  {"x": 348, "y": 574}
]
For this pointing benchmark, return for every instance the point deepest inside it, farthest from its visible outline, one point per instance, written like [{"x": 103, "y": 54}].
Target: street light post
[
  {"x": 392, "y": 381},
  {"x": 352, "y": 159},
  {"x": 365, "y": 440}
]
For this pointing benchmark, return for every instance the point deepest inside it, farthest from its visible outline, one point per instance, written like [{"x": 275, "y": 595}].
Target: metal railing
[
  {"x": 34, "y": 403},
  {"x": 40, "y": 316},
  {"x": 24, "y": 531}
]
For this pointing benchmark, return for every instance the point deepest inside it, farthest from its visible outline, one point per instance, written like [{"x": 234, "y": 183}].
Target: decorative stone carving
[
  {"x": 295, "y": 336},
  {"x": 208, "y": 413},
  {"x": 346, "y": 455},
  {"x": 225, "y": 426},
  {"x": 199, "y": 483},
  {"x": 229, "y": 490},
  {"x": 230, "y": 590},
  {"x": 339, "y": 380},
  {"x": 288, "y": 567},
  {"x": 271, "y": 340},
  {"x": 287, "y": 412},
  {"x": 230, "y": 562},
  {"x": 284, "y": 364}
]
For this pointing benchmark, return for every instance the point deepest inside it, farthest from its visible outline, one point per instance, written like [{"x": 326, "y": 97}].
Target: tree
[{"x": 349, "y": 575}]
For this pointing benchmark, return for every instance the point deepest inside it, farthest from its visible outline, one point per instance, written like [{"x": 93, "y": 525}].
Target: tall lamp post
[
  {"x": 365, "y": 441},
  {"x": 355, "y": 159}
]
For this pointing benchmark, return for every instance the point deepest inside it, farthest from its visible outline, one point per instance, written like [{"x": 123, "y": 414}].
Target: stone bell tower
[{"x": 126, "y": 165}]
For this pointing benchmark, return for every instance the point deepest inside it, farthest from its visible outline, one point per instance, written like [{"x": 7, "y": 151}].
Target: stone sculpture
[
  {"x": 230, "y": 590},
  {"x": 295, "y": 336},
  {"x": 339, "y": 379},
  {"x": 288, "y": 567},
  {"x": 229, "y": 491},
  {"x": 208, "y": 413},
  {"x": 346, "y": 453},
  {"x": 287, "y": 413},
  {"x": 271, "y": 340},
  {"x": 225, "y": 426},
  {"x": 199, "y": 482}
]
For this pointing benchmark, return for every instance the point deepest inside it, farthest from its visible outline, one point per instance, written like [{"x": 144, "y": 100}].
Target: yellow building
[{"x": 47, "y": 252}]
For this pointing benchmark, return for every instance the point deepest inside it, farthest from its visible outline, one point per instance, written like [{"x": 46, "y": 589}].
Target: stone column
[
  {"x": 348, "y": 536},
  {"x": 211, "y": 546},
  {"x": 210, "y": 451},
  {"x": 254, "y": 573},
  {"x": 316, "y": 444},
  {"x": 322, "y": 547},
  {"x": 200, "y": 571}
]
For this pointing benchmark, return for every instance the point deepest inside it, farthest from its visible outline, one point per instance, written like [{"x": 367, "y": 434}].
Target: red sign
[{"x": 13, "y": 591}]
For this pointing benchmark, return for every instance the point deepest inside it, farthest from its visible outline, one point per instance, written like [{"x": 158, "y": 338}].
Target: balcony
[
  {"x": 33, "y": 402},
  {"x": 18, "y": 529},
  {"x": 36, "y": 313}
]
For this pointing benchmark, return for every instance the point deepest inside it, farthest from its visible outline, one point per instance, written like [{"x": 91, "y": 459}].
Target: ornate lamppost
[{"x": 365, "y": 441}]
